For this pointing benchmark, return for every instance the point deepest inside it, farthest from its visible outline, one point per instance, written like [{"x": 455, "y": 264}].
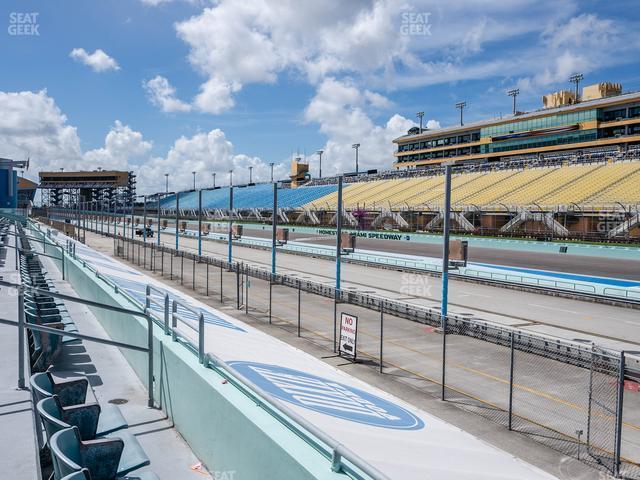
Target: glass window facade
[
  {"x": 546, "y": 141},
  {"x": 540, "y": 123}
]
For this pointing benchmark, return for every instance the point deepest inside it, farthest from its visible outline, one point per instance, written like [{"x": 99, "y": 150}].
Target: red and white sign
[{"x": 348, "y": 335}]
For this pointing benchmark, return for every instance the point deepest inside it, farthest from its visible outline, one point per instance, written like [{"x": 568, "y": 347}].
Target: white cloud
[
  {"x": 121, "y": 145},
  {"x": 32, "y": 125},
  {"x": 340, "y": 110},
  {"x": 99, "y": 61},
  {"x": 215, "y": 96},
  {"x": 203, "y": 153},
  {"x": 163, "y": 94}
]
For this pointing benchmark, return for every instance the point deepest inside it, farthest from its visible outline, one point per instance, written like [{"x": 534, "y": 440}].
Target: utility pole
[
  {"x": 461, "y": 106},
  {"x": 250, "y": 174},
  {"x": 320, "y": 152},
  {"x": 271, "y": 165},
  {"x": 166, "y": 183},
  {"x": 194, "y": 180},
  {"x": 514, "y": 93},
  {"x": 356, "y": 146},
  {"x": 420, "y": 115},
  {"x": 214, "y": 179}
]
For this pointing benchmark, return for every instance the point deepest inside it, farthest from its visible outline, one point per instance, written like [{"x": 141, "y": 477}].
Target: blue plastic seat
[
  {"x": 92, "y": 421},
  {"x": 72, "y": 391},
  {"x": 105, "y": 458}
]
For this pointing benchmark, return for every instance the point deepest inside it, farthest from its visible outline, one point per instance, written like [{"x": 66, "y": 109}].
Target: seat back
[
  {"x": 41, "y": 385},
  {"x": 65, "y": 452},
  {"x": 51, "y": 415}
]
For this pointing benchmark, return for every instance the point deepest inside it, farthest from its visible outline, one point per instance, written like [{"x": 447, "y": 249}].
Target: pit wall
[{"x": 227, "y": 431}]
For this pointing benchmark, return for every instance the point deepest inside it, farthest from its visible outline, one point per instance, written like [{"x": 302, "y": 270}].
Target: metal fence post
[
  {"x": 193, "y": 274},
  {"x": 238, "y": 286},
  {"x": 181, "y": 268},
  {"x": 63, "y": 261},
  {"x": 162, "y": 262},
  {"x": 166, "y": 314},
  {"x": 221, "y": 297},
  {"x": 270, "y": 297},
  {"x": 619, "y": 411},
  {"x": 207, "y": 275},
  {"x": 201, "y": 337},
  {"x": 299, "y": 302},
  {"x": 150, "y": 352},
  {"x": 381, "y": 333},
  {"x": 21, "y": 321},
  {"x": 174, "y": 320},
  {"x": 444, "y": 355},
  {"x": 511, "y": 364},
  {"x": 246, "y": 295},
  {"x": 335, "y": 319}
]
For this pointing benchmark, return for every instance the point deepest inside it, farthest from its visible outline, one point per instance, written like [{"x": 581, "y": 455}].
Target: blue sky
[{"x": 208, "y": 86}]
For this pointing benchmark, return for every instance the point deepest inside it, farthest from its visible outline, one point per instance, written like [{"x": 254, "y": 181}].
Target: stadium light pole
[
  {"x": 576, "y": 78},
  {"x": 320, "y": 152},
  {"x": 274, "y": 227},
  {"x": 271, "y": 165},
  {"x": 166, "y": 183},
  {"x": 356, "y": 146},
  {"x": 420, "y": 115},
  {"x": 514, "y": 93},
  {"x": 445, "y": 267},
  {"x": 461, "y": 106}
]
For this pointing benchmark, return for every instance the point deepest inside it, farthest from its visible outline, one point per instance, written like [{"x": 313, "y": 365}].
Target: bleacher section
[
  {"x": 246, "y": 197},
  {"x": 598, "y": 184}
]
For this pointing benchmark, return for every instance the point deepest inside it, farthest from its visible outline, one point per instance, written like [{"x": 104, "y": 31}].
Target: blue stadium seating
[{"x": 254, "y": 196}]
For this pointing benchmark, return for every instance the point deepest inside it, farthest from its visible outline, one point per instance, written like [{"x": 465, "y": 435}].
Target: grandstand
[{"x": 577, "y": 194}]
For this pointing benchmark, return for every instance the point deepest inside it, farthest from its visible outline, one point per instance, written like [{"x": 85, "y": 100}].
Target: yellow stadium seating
[{"x": 548, "y": 187}]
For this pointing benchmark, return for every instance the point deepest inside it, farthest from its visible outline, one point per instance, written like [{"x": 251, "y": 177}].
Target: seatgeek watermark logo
[
  {"x": 23, "y": 24},
  {"x": 415, "y": 24},
  {"x": 326, "y": 396}
]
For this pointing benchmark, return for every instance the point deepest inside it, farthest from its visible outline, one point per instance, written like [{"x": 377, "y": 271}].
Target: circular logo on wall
[{"x": 327, "y": 396}]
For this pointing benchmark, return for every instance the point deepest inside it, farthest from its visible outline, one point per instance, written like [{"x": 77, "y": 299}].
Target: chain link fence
[{"x": 573, "y": 397}]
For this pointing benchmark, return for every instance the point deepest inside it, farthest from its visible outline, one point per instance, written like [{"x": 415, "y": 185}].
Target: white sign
[{"x": 348, "y": 335}]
